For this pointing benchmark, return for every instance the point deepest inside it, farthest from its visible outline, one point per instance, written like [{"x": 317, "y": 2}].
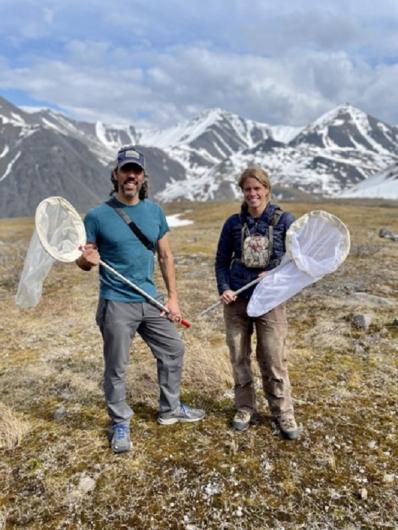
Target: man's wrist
[{"x": 172, "y": 297}]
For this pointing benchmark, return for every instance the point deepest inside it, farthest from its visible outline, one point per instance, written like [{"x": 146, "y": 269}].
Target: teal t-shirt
[{"x": 120, "y": 248}]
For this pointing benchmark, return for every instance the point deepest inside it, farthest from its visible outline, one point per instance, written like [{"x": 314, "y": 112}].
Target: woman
[{"x": 251, "y": 243}]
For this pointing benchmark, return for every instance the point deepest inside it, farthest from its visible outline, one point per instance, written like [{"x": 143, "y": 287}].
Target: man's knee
[{"x": 177, "y": 351}]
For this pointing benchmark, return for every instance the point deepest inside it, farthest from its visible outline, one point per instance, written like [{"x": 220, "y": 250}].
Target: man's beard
[{"x": 130, "y": 192}]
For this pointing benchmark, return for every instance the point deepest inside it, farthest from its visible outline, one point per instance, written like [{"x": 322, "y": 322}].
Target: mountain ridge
[{"x": 199, "y": 159}]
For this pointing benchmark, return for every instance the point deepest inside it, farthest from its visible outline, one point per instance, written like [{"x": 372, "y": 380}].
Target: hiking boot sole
[
  {"x": 291, "y": 435},
  {"x": 171, "y": 421},
  {"x": 294, "y": 435},
  {"x": 117, "y": 450},
  {"x": 240, "y": 428}
]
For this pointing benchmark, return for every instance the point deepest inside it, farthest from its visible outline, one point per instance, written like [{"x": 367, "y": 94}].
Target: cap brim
[{"x": 129, "y": 161}]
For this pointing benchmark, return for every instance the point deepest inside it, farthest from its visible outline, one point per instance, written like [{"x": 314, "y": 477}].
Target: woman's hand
[{"x": 228, "y": 296}]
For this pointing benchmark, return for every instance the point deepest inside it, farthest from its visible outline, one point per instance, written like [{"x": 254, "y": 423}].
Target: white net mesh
[
  {"x": 58, "y": 235},
  {"x": 316, "y": 244},
  {"x": 36, "y": 267},
  {"x": 60, "y": 228}
]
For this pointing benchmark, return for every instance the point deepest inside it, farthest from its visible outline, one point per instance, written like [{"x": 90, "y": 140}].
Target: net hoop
[
  {"x": 339, "y": 244},
  {"x": 74, "y": 228}
]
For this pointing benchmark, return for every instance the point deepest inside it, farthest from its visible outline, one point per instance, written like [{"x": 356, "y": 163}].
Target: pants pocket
[
  {"x": 101, "y": 312},
  {"x": 277, "y": 387}
]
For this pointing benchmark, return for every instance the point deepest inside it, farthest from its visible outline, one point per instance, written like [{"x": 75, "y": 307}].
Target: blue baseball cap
[{"x": 128, "y": 154}]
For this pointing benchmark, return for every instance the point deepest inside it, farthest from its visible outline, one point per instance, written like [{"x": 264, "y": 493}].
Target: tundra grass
[{"x": 56, "y": 469}]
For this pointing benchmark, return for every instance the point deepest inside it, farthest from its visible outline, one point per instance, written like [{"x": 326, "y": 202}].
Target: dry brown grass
[
  {"x": 342, "y": 473},
  {"x": 12, "y": 428}
]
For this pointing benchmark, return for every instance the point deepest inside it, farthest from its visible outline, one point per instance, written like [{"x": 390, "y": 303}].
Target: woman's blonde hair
[{"x": 257, "y": 173}]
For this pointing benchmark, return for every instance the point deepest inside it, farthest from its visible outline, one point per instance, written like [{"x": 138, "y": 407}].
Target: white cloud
[{"x": 138, "y": 61}]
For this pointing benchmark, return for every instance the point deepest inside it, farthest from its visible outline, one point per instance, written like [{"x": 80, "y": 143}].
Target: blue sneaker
[
  {"x": 181, "y": 413},
  {"x": 120, "y": 438}
]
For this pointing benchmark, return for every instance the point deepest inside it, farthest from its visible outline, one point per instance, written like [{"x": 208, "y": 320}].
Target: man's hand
[
  {"x": 174, "y": 313},
  {"x": 89, "y": 258},
  {"x": 228, "y": 296}
]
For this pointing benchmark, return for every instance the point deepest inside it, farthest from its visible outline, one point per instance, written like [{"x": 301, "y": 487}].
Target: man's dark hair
[{"x": 144, "y": 191}]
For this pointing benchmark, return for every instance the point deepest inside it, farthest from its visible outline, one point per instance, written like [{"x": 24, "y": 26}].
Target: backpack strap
[
  {"x": 277, "y": 215},
  {"x": 133, "y": 227},
  {"x": 244, "y": 231},
  {"x": 274, "y": 221}
]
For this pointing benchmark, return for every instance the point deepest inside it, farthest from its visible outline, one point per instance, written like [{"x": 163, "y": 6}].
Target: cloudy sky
[{"x": 157, "y": 62}]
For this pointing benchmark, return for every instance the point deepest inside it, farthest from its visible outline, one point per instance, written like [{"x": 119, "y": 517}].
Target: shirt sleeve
[
  {"x": 163, "y": 225},
  {"x": 223, "y": 258},
  {"x": 288, "y": 219},
  {"x": 91, "y": 226}
]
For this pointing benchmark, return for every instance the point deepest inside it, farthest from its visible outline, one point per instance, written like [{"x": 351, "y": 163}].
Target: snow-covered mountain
[
  {"x": 44, "y": 153},
  {"x": 208, "y": 139},
  {"x": 230, "y": 133},
  {"x": 101, "y": 138},
  {"x": 341, "y": 148},
  {"x": 381, "y": 185},
  {"x": 347, "y": 127},
  {"x": 37, "y": 161}
]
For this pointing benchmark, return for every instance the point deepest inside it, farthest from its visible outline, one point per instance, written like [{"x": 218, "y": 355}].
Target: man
[{"x": 121, "y": 311}]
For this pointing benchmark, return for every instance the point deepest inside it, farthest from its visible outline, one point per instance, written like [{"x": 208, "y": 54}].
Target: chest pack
[{"x": 257, "y": 248}]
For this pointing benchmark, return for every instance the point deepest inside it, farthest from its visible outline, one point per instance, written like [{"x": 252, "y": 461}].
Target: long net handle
[
  {"x": 213, "y": 306},
  {"x": 147, "y": 296}
]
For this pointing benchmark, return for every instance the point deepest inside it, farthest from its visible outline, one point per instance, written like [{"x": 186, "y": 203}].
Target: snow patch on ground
[{"x": 174, "y": 220}]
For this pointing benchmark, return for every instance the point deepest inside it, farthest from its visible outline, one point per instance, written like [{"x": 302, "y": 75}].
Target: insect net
[
  {"x": 316, "y": 245},
  {"x": 58, "y": 234}
]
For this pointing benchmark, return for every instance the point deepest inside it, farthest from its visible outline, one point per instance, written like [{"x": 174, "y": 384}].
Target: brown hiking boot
[
  {"x": 243, "y": 418},
  {"x": 288, "y": 427}
]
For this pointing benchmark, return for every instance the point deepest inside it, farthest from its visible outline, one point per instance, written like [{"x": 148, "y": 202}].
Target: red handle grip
[{"x": 185, "y": 323}]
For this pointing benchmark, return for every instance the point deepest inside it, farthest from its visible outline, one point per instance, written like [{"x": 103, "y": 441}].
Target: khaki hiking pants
[{"x": 271, "y": 353}]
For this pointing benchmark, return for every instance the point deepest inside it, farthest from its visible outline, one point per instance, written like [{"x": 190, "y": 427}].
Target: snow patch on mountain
[
  {"x": 10, "y": 165},
  {"x": 284, "y": 133},
  {"x": 382, "y": 185},
  {"x": 190, "y": 130},
  {"x": 5, "y": 151},
  {"x": 202, "y": 158}
]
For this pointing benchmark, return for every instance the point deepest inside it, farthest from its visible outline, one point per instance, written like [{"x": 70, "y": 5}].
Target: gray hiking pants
[
  {"x": 271, "y": 353},
  {"x": 118, "y": 322}
]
